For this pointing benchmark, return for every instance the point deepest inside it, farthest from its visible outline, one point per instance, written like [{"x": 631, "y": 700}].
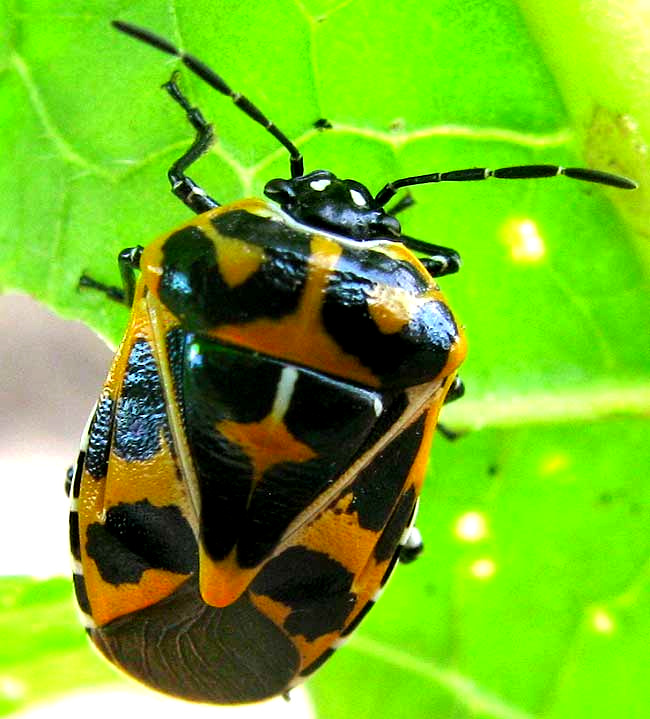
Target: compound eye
[{"x": 279, "y": 190}]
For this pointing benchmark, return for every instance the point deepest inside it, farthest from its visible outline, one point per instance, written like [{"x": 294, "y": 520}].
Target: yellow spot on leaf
[
  {"x": 554, "y": 463},
  {"x": 523, "y": 240},
  {"x": 471, "y": 527},
  {"x": 603, "y": 621},
  {"x": 483, "y": 568}
]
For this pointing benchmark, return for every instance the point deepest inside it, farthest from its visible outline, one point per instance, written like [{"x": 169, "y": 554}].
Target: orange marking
[
  {"x": 221, "y": 583},
  {"x": 336, "y": 532},
  {"x": 286, "y": 337},
  {"x": 310, "y": 651},
  {"x": 275, "y": 611},
  {"x": 110, "y": 601},
  {"x": 392, "y": 308},
  {"x": 237, "y": 259},
  {"x": 278, "y": 613},
  {"x": 266, "y": 443}
]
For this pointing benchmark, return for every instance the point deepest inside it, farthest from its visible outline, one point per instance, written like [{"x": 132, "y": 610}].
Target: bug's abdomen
[{"x": 189, "y": 649}]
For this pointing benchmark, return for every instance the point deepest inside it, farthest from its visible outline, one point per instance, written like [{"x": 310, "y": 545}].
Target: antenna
[
  {"x": 215, "y": 81},
  {"x": 520, "y": 172}
]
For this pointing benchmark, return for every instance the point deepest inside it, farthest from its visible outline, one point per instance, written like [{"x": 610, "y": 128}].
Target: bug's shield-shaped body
[{"x": 257, "y": 452}]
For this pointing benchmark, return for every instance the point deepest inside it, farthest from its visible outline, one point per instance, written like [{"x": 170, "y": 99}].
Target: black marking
[
  {"x": 81, "y": 594},
  {"x": 136, "y": 537},
  {"x": 317, "y": 663},
  {"x": 314, "y": 415},
  {"x": 78, "y": 473},
  {"x": 225, "y": 476},
  {"x": 73, "y": 531},
  {"x": 389, "y": 569},
  {"x": 223, "y": 383},
  {"x": 140, "y": 417},
  {"x": 69, "y": 475},
  {"x": 377, "y": 488},
  {"x": 228, "y": 382},
  {"x": 388, "y": 543},
  {"x": 99, "y": 438},
  {"x": 415, "y": 354},
  {"x": 315, "y": 587},
  {"x": 175, "y": 345},
  {"x": 394, "y": 404},
  {"x": 185, "y": 648},
  {"x": 194, "y": 290}
]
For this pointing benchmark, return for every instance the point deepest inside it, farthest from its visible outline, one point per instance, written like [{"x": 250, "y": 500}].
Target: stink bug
[{"x": 251, "y": 472}]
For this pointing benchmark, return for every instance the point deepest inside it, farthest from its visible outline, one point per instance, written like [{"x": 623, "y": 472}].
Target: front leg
[
  {"x": 183, "y": 186},
  {"x": 438, "y": 260}
]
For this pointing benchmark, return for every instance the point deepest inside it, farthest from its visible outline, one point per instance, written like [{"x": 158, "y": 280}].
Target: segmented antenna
[
  {"x": 520, "y": 172},
  {"x": 216, "y": 81}
]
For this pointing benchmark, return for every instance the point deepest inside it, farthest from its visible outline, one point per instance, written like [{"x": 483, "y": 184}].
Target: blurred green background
[{"x": 532, "y": 598}]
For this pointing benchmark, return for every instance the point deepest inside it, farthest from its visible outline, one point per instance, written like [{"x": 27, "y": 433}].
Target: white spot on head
[
  {"x": 483, "y": 568},
  {"x": 358, "y": 198},
  {"x": 603, "y": 621},
  {"x": 471, "y": 527},
  {"x": 524, "y": 240},
  {"x": 319, "y": 185}
]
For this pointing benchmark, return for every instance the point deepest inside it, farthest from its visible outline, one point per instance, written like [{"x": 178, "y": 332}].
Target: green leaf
[
  {"x": 545, "y": 612},
  {"x": 44, "y": 652}
]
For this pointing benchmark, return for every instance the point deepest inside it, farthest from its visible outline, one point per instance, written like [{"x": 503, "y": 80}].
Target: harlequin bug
[{"x": 251, "y": 472}]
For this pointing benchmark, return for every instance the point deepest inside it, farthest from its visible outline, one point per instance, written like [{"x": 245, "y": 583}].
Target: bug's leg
[
  {"x": 128, "y": 261},
  {"x": 449, "y": 434},
  {"x": 438, "y": 260},
  {"x": 183, "y": 186},
  {"x": 456, "y": 391}
]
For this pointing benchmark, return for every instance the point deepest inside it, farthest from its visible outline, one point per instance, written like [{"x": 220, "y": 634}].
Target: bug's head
[{"x": 322, "y": 200}]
